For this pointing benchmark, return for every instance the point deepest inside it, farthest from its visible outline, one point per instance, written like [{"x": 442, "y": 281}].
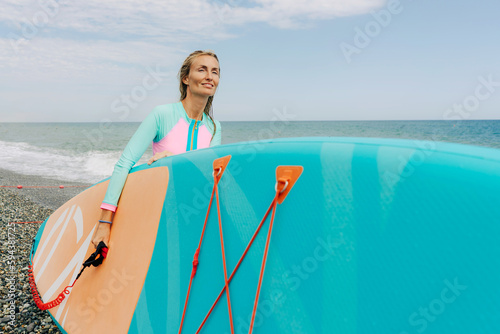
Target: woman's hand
[
  {"x": 159, "y": 155},
  {"x": 103, "y": 229},
  {"x": 102, "y": 234}
]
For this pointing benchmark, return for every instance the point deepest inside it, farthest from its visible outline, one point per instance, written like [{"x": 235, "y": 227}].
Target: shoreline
[
  {"x": 19, "y": 314},
  {"x": 51, "y": 198}
]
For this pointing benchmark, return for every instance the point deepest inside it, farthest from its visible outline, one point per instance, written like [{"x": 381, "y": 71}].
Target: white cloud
[
  {"x": 165, "y": 20},
  {"x": 103, "y": 36},
  {"x": 60, "y": 60},
  {"x": 51, "y": 39},
  {"x": 93, "y": 42},
  {"x": 142, "y": 24},
  {"x": 288, "y": 14},
  {"x": 168, "y": 21}
]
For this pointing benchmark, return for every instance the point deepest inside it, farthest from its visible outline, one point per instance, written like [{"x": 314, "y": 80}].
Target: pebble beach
[{"x": 19, "y": 210}]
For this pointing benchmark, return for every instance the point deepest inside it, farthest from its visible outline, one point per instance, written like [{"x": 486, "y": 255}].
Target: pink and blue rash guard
[{"x": 170, "y": 129}]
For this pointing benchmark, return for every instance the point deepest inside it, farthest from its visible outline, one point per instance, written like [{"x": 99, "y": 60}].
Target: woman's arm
[{"x": 134, "y": 150}]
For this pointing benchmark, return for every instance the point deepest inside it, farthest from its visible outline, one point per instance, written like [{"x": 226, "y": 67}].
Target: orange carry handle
[{"x": 286, "y": 176}]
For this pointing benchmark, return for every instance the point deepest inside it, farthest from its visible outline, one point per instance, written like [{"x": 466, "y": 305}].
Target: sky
[{"x": 115, "y": 60}]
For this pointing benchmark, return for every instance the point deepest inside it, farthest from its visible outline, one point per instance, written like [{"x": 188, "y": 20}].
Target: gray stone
[{"x": 30, "y": 327}]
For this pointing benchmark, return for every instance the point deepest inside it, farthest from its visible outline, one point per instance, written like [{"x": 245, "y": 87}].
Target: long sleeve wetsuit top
[{"x": 170, "y": 129}]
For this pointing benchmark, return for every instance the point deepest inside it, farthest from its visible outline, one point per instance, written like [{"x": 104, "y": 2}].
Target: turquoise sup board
[{"x": 374, "y": 236}]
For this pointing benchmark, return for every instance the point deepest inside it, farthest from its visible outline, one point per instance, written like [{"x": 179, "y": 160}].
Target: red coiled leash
[{"x": 94, "y": 260}]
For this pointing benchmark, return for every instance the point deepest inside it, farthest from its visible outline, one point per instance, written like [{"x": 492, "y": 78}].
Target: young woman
[{"x": 173, "y": 129}]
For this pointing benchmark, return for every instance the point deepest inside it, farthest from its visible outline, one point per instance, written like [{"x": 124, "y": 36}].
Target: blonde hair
[{"x": 184, "y": 72}]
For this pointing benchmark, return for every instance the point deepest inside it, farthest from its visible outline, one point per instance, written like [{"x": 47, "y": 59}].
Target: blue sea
[{"x": 87, "y": 152}]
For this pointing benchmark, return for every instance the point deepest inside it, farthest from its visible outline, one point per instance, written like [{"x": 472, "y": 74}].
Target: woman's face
[{"x": 203, "y": 77}]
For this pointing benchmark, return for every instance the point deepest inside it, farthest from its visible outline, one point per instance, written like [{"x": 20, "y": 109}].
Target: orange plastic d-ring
[
  {"x": 287, "y": 176},
  {"x": 220, "y": 165}
]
